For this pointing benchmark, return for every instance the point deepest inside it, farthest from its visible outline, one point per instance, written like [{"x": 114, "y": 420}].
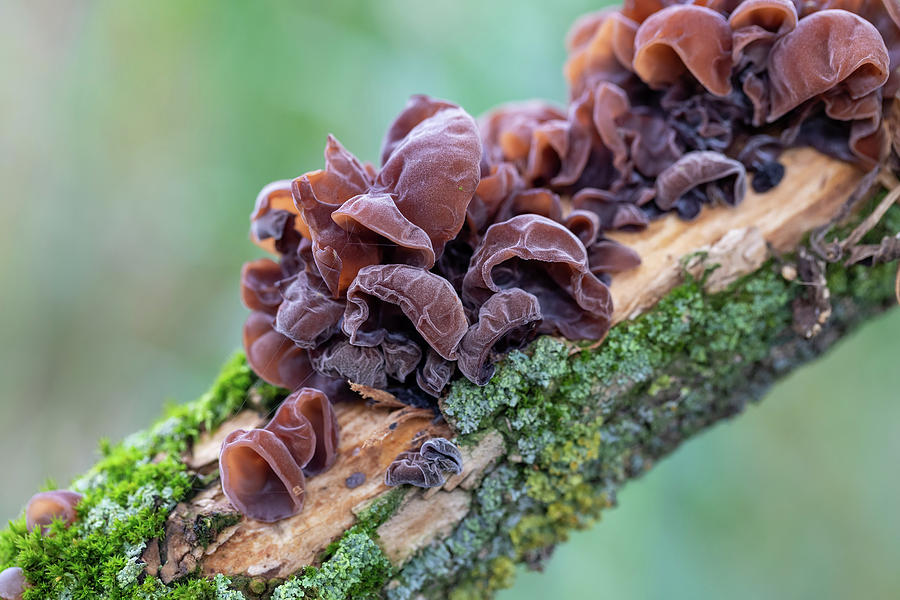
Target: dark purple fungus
[
  {"x": 401, "y": 355},
  {"x": 444, "y": 454},
  {"x": 426, "y": 468},
  {"x": 608, "y": 257},
  {"x": 308, "y": 314},
  {"x": 358, "y": 364},
  {"x": 12, "y": 583},
  {"x": 697, "y": 178},
  {"x": 44, "y": 507},
  {"x": 508, "y": 316},
  {"x": 547, "y": 260},
  {"x": 435, "y": 373},
  {"x": 260, "y": 476},
  {"x": 427, "y": 300}
]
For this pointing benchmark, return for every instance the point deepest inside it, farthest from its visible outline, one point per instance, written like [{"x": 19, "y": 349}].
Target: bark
[{"x": 710, "y": 320}]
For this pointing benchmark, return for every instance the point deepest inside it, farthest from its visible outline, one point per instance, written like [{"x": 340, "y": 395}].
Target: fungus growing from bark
[
  {"x": 260, "y": 475},
  {"x": 288, "y": 423},
  {"x": 427, "y": 300},
  {"x": 506, "y": 320},
  {"x": 263, "y": 470},
  {"x": 547, "y": 260},
  {"x": 416, "y": 202},
  {"x": 12, "y": 583},
  {"x": 426, "y": 468},
  {"x": 723, "y": 179},
  {"x": 44, "y": 507},
  {"x": 684, "y": 38}
]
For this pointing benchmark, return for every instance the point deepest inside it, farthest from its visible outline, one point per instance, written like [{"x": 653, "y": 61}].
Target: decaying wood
[{"x": 737, "y": 240}]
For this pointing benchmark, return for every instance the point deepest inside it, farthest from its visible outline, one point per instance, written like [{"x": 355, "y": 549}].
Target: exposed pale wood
[
  {"x": 419, "y": 521},
  {"x": 812, "y": 192}
]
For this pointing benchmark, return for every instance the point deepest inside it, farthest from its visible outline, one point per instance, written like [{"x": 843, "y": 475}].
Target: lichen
[
  {"x": 128, "y": 495},
  {"x": 578, "y": 423},
  {"x": 357, "y": 569}
]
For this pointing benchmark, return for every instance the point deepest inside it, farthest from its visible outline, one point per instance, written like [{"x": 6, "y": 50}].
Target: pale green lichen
[
  {"x": 357, "y": 569},
  {"x": 577, "y": 424}
]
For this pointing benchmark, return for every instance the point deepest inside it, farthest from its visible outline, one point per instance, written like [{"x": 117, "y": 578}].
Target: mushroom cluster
[
  {"x": 474, "y": 236},
  {"x": 668, "y": 98},
  {"x": 435, "y": 261},
  {"x": 263, "y": 471}
]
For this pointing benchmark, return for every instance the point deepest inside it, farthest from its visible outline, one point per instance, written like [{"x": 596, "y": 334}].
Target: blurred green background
[{"x": 135, "y": 136}]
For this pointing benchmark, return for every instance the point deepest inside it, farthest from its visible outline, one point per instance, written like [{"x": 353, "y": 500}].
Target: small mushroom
[
  {"x": 511, "y": 313},
  {"x": 426, "y": 468},
  {"x": 44, "y": 507},
  {"x": 260, "y": 475},
  {"x": 443, "y": 453},
  {"x": 12, "y": 583},
  {"x": 315, "y": 406}
]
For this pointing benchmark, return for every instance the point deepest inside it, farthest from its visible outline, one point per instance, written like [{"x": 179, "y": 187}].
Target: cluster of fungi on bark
[{"x": 473, "y": 237}]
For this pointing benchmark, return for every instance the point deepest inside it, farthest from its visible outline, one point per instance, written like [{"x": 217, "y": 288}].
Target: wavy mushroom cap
[
  {"x": 432, "y": 172},
  {"x": 308, "y": 314},
  {"x": 12, "y": 583},
  {"x": 831, "y": 51},
  {"x": 776, "y": 16},
  {"x": 426, "y": 467},
  {"x": 260, "y": 476},
  {"x": 427, "y": 300},
  {"x": 313, "y": 407},
  {"x": 545, "y": 259},
  {"x": 723, "y": 178},
  {"x": 602, "y": 50},
  {"x": 507, "y": 314},
  {"x": 684, "y": 38},
  {"x": 274, "y": 213},
  {"x": 259, "y": 285},
  {"x": 272, "y": 356},
  {"x": 44, "y": 507}
]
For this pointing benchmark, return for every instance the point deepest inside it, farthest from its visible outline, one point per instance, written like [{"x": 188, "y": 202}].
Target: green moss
[
  {"x": 578, "y": 422},
  {"x": 128, "y": 495},
  {"x": 357, "y": 569}
]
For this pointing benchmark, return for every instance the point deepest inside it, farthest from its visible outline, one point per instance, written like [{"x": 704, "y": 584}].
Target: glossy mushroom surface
[
  {"x": 12, "y": 583},
  {"x": 260, "y": 476},
  {"x": 45, "y": 507}
]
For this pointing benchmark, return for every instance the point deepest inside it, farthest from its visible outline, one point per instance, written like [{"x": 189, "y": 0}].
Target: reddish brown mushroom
[
  {"x": 259, "y": 285},
  {"x": 684, "y": 38},
  {"x": 273, "y": 214},
  {"x": 260, "y": 476},
  {"x": 45, "y": 507},
  {"x": 273, "y": 357},
  {"x": 507, "y": 314},
  {"x": 12, "y": 583},
  {"x": 427, "y": 300},
  {"x": 545, "y": 259},
  {"x": 831, "y": 51},
  {"x": 314, "y": 405}
]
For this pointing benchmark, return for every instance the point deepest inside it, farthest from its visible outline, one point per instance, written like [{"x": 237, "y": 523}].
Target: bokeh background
[{"x": 133, "y": 139}]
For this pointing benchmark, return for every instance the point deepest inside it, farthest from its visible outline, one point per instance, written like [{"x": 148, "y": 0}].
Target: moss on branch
[{"x": 577, "y": 422}]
